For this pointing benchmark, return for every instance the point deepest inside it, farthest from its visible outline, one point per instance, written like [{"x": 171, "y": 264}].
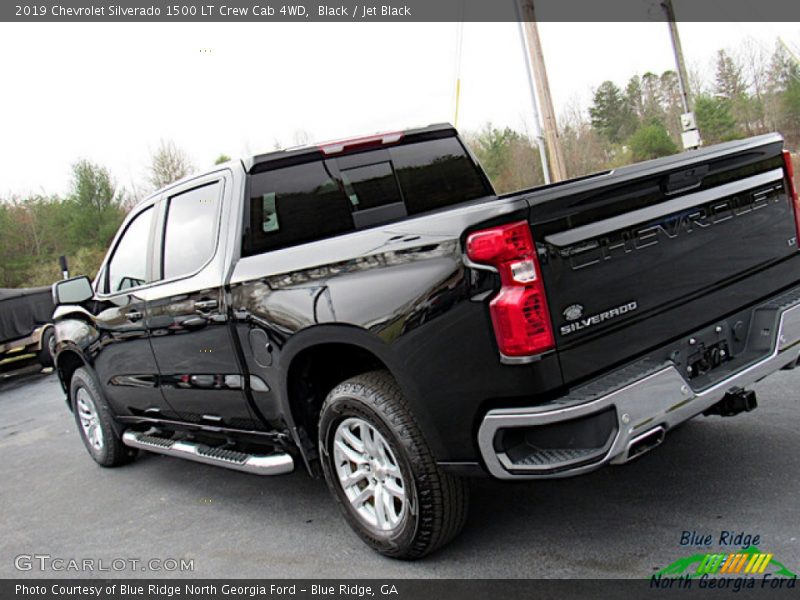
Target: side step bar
[{"x": 273, "y": 464}]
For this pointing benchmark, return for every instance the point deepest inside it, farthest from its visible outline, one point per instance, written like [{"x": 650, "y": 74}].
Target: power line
[{"x": 459, "y": 52}]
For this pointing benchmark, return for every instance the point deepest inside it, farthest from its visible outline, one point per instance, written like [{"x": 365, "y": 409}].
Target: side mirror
[{"x": 72, "y": 291}]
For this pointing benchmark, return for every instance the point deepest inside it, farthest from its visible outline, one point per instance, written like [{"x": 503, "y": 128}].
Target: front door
[
  {"x": 187, "y": 316},
  {"x": 122, "y": 357}
]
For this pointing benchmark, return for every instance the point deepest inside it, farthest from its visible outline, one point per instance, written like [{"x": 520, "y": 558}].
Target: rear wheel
[
  {"x": 381, "y": 472},
  {"x": 95, "y": 422}
]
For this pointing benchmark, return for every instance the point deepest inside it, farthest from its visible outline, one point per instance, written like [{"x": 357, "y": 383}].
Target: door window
[
  {"x": 190, "y": 234},
  {"x": 128, "y": 266}
]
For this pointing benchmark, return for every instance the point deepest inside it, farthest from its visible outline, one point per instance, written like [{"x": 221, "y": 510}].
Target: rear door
[{"x": 187, "y": 316}]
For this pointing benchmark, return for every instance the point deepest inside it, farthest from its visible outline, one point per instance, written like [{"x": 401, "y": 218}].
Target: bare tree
[
  {"x": 301, "y": 137},
  {"x": 584, "y": 149},
  {"x": 168, "y": 164}
]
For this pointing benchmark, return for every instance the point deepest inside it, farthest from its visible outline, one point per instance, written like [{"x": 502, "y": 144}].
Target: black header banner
[{"x": 400, "y": 11}]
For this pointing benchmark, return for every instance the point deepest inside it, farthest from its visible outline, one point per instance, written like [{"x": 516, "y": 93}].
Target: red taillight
[
  {"x": 787, "y": 161},
  {"x": 519, "y": 311}
]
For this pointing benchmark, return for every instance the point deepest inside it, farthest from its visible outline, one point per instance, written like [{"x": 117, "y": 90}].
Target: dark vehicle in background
[
  {"x": 26, "y": 327},
  {"x": 369, "y": 310}
]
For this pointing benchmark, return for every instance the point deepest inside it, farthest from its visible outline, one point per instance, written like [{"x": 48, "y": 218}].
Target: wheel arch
[
  {"x": 67, "y": 362},
  {"x": 321, "y": 357}
]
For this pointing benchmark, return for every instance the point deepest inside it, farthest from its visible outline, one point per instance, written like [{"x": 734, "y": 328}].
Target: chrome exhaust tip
[{"x": 645, "y": 442}]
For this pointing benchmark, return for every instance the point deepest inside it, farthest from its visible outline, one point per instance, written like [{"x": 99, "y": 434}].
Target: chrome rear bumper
[{"x": 649, "y": 400}]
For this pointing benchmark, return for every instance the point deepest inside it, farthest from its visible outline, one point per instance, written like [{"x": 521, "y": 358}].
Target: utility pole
[
  {"x": 690, "y": 135},
  {"x": 558, "y": 169},
  {"x": 537, "y": 124}
]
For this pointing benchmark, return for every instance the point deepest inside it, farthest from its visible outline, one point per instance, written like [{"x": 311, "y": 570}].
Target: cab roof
[{"x": 301, "y": 154}]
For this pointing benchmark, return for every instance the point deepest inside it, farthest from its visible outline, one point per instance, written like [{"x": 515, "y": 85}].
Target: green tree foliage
[
  {"x": 783, "y": 85},
  {"x": 673, "y": 107},
  {"x": 714, "y": 119},
  {"x": 730, "y": 85},
  {"x": 94, "y": 206},
  {"x": 653, "y": 105},
  {"x": 651, "y": 141},
  {"x": 83, "y": 261},
  {"x": 511, "y": 160},
  {"x": 222, "y": 158},
  {"x": 37, "y": 229},
  {"x": 634, "y": 95},
  {"x": 791, "y": 106},
  {"x": 612, "y": 114},
  {"x": 644, "y": 96}
]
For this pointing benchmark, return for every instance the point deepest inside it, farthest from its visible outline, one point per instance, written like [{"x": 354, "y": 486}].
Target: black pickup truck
[
  {"x": 26, "y": 330},
  {"x": 371, "y": 310}
]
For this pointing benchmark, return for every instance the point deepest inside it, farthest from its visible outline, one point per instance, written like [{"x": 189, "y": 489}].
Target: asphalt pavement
[{"x": 711, "y": 475}]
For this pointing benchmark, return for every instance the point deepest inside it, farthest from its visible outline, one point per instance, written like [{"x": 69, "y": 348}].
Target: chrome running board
[{"x": 272, "y": 464}]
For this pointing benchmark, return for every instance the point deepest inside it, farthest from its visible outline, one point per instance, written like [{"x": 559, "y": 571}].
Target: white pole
[{"x": 537, "y": 126}]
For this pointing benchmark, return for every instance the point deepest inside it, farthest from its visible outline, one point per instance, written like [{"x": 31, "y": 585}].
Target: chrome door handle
[
  {"x": 133, "y": 315},
  {"x": 205, "y": 305}
]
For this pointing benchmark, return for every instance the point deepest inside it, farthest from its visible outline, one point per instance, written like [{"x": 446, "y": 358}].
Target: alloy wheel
[
  {"x": 369, "y": 474},
  {"x": 90, "y": 422}
]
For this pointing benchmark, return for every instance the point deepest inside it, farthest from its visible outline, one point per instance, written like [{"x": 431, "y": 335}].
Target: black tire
[
  {"x": 46, "y": 352},
  {"x": 109, "y": 451},
  {"x": 437, "y": 502}
]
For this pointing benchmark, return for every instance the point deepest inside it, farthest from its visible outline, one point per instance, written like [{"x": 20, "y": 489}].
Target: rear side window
[
  {"x": 294, "y": 205},
  {"x": 190, "y": 231},
  {"x": 436, "y": 173},
  {"x": 319, "y": 199}
]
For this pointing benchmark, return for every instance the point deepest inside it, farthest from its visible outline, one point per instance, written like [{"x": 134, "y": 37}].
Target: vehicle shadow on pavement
[{"x": 11, "y": 379}]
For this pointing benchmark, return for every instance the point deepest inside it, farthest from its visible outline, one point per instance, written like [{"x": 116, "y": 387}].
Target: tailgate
[{"x": 638, "y": 257}]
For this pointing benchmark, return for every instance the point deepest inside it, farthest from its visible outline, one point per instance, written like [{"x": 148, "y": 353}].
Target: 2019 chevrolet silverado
[{"x": 371, "y": 311}]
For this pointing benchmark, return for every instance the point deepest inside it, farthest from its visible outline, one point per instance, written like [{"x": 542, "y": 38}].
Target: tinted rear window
[
  {"x": 311, "y": 201},
  {"x": 371, "y": 186},
  {"x": 436, "y": 173},
  {"x": 294, "y": 205}
]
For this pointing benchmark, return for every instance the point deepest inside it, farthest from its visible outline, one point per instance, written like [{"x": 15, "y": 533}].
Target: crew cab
[{"x": 370, "y": 311}]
